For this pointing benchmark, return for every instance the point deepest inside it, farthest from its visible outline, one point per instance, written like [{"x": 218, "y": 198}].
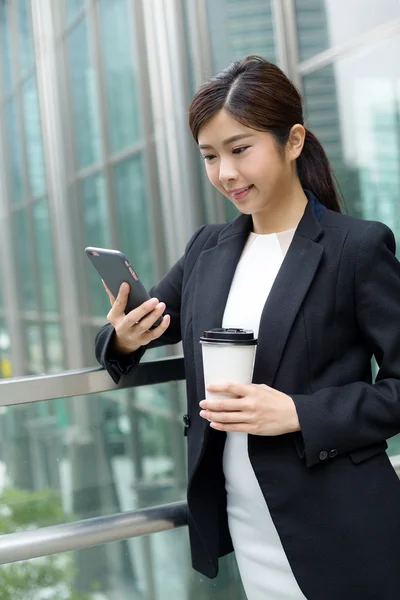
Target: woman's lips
[{"x": 240, "y": 193}]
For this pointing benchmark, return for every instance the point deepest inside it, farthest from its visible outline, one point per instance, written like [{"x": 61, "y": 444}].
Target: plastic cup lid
[{"x": 229, "y": 336}]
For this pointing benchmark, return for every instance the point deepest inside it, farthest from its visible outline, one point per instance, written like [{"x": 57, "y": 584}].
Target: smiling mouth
[{"x": 241, "y": 193}]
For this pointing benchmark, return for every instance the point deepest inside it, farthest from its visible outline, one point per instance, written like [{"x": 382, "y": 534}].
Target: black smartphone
[{"x": 114, "y": 268}]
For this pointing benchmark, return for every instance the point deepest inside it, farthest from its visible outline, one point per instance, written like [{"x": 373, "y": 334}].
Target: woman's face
[{"x": 245, "y": 164}]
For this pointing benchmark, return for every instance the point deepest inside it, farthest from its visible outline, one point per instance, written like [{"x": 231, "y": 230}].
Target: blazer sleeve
[
  {"x": 357, "y": 415},
  {"x": 168, "y": 290}
]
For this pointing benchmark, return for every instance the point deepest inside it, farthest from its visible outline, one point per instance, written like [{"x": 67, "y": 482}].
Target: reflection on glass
[
  {"x": 84, "y": 97},
  {"x": 33, "y": 134},
  {"x": 54, "y": 347},
  {"x": 5, "y": 350},
  {"x": 239, "y": 28},
  {"x": 24, "y": 260},
  {"x": 34, "y": 349},
  {"x": 13, "y": 151},
  {"x": 96, "y": 233},
  {"x": 25, "y": 35},
  {"x": 133, "y": 216},
  {"x": 151, "y": 567},
  {"x": 5, "y": 49},
  {"x": 101, "y": 454},
  {"x": 325, "y": 23},
  {"x": 44, "y": 256},
  {"x": 120, "y": 74},
  {"x": 72, "y": 7},
  {"x": 353, "y": 106}
]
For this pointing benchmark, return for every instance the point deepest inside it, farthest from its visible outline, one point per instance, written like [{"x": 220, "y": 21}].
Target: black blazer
[{"x": 331, "y": 490}]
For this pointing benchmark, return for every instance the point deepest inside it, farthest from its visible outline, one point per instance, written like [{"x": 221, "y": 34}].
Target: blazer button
[
  {"x": 323, "y": 455},
  {"x": 333, "y": 453},
  {"x": 186, "y": 420}
]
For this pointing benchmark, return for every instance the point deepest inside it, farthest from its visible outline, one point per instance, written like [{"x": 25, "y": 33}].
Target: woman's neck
[{"x": 285, "y": 214}]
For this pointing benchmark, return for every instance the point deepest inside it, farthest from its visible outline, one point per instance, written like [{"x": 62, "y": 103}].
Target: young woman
[{"x": 292, "y": 472}]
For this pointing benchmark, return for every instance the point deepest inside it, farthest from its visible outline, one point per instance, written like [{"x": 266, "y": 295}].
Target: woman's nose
[{"x": 227, "y": 172}]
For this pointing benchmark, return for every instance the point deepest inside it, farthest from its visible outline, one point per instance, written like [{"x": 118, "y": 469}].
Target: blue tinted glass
[
  {"x": 33, "y": 134},
  {"x": 5, "y": 350},
  {"x": 34, "y": 348},
  {"x": 54, "y": 346},
  {"x": 24, "y": 260},
  {"x": 239, "y": 28},
  {"x": 120, "y": 74},
  {"x": 26, "y": 56},
  {"x": 13, "y": 151},
  {"x": 72, "y": 7},
  {"x": 44, "y": 256},
  {"x": 96, "y": 233},
  {"x": 325, "y": 23},
  {"x": 5, "y": 50},
  {"x": 133, "y": 216},
  {"x": 85, "y": 109}
]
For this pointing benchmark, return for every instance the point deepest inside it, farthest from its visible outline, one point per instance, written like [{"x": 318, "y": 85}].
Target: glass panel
[
  {"x": 34, "y": 348},
  {"x": 24, "y": 260},
  {"x": 353, "y": 107},
  {"x": 120, "y": 74},
  {"x": 84, "y": 98},
  {"x": 72, "y": 7},
  {"x": 54, "y": 347},
  {"x": 75, "y": 458},
  {"x": 155, "y": 567},
  {"x": 325, "y": 23},
  {"x": 133, "y": 216},
  {"x": 5, "y": 350},
  {"x": 96, "y": 233},
  {"x": 44, "y": 254},
  {"x": 5, "y": 48},
  {"x": 238, "y": 28},
  {"x": 25, "y": 35},
  {"x": 33, "y": 133},
  {"x": 13, "y": 151}
]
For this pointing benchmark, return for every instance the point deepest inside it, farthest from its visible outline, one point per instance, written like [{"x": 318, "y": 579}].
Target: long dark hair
[{"x": 258, "y": 94}]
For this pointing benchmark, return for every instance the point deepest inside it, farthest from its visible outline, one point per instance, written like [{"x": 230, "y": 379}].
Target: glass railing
[
  {"x": 92, "y": 489},
  {"x": 82, "y": 463}
]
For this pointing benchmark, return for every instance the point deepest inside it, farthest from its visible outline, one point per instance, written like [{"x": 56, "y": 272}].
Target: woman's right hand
[{"x": 132, "y": 330}]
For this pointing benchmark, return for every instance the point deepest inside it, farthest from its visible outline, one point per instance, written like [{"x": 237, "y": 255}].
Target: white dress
[{"x": 262, "y": 562}]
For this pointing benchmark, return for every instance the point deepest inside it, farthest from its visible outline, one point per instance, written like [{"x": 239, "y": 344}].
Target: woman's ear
[{"x": 295, "y": 142}]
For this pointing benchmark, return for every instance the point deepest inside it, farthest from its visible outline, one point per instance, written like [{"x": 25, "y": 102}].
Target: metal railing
[
  {"x": 90, "y": 532},
  {"x": 96, "y": 531},
  {"x": 22, "y": 390}
]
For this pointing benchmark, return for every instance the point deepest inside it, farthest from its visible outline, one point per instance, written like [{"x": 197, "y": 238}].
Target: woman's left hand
[{"x": 257, "y": 409}]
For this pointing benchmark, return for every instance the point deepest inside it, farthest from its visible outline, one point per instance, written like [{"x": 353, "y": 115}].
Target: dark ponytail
[
  {"x": 258, "y": 94},
  {"x": 315, "y": 173}
]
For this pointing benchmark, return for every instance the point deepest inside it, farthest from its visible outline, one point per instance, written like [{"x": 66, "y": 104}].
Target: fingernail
[
  {"x": 201, "y": 404},
  {"x": 160, "y": 305}
]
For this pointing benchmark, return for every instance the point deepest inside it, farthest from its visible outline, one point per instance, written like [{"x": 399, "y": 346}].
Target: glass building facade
[{"x": 95, "y": 150}]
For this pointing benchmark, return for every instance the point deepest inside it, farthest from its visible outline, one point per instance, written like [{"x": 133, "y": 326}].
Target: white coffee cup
[{"x": 228, "y": 356}]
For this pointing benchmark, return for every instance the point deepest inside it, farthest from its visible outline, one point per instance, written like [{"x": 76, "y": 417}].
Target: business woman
[{"x": 291, "y": 472}]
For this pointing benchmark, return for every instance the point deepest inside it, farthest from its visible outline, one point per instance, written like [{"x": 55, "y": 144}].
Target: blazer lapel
[{"x": 287, "y": 294}]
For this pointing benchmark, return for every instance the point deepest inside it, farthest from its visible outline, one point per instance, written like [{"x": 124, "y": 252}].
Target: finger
[
  {"x": 226, "y": 418},
  {"x": 111, "y": 297},
  {"x": 223, "y": 405},
  {"x": 149, "y": 336},
  {"x": 244, "y": 427},
  {"x": 236, "y": 389},
  {"x": 146, "y": 322},
  {"x": 137, "y": 314},
  {"x": 119, "y": 305}
]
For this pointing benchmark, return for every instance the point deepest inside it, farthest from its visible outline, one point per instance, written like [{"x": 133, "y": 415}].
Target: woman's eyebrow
[{"x": 234, "y": 138}]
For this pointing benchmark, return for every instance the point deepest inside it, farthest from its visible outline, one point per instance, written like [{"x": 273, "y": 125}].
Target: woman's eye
[
  {"x": 208, "y": 157},
  {"x": 240, "y": 150}
]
